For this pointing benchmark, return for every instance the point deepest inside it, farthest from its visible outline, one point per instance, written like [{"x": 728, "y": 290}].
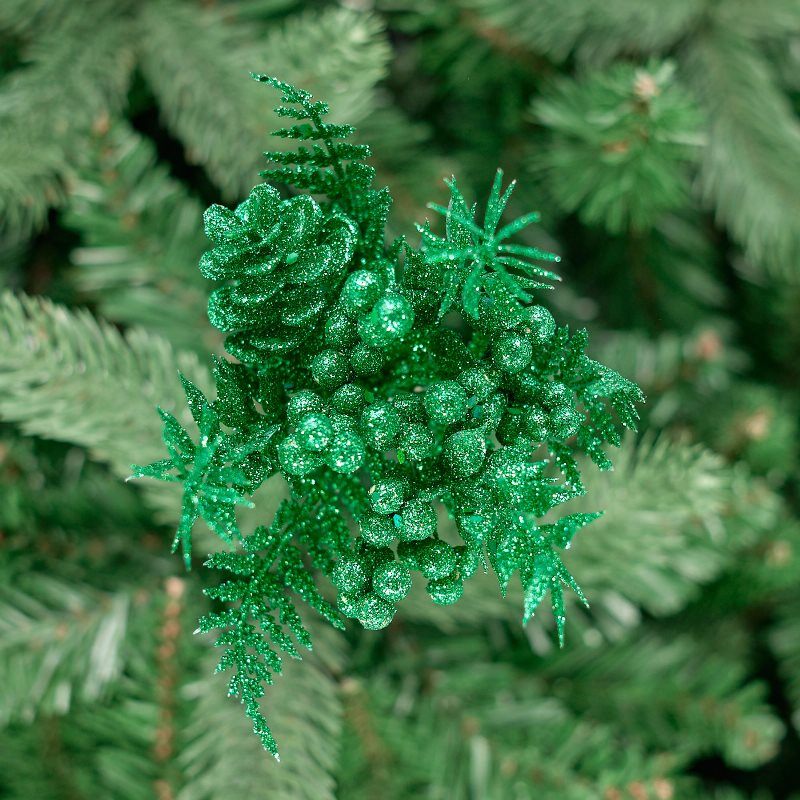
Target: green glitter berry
[
  {"x": 409, "y": 553},
  {"x": 349, "y": 603},
  {"x": 416, "y": 442},
  {"x": 295, "y": 459},
  {"x": 541, "y": 324},
  {"x": 349, "y": 575},
  {"x": 374, "y": 612},
  {"x": 445, "y": 591},
  {"x": 446, "y": 402},
  {"x": 346, "y": 453},
  {"x": 512, "y": 353},
  {"x": 380, "y": 425},
  {"x": 555, "y": 395},
  {"x": 534, "y": 424},
  {"x": 340, "y": 331},
  {"x": 469, "y": 559},
  {"x": 510, "y": 428},
  {"x": 330, "y": 369},
  {"x": 366, "y": 360},
  {"x": 348, "y": 399},
  {"x": 302, "y": 403},
  {"x": 361, "y": 291},
  {"x": 386, "y": 496},
  {"x": 409, "y": 406},
  {"x": 390, "y": 319},
  {"x": 417, "y": 520},
  {"x": 314, "y": 432},
  {"x": 378, "y": 530},
  {"x": 392, "y": 581},
  {"x": 564, "y": 422},
  {"x": 464, "y": 452},
  {"x": 477, "y": 383},
  {"x": 437, "y": 559}
]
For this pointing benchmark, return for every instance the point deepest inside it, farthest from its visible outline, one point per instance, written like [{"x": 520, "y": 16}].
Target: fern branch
[{"x": 306, "y": 710}]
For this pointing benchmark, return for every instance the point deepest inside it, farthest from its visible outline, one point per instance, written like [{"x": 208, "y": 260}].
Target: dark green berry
[
  {"x": 416, "y": 442},
  {"x": 512, "y": 353},
  {"x": 340, "y": 331},
  {"x": 348, "y": 399},
  {"x": 349, "y": 603},
  {"x": 330, "y": 369},
  {"x": 565, "y": 422},
  {"x": 380, "y": 425},
  {"x": 314, "y": 432},
  {"x": 417, "y": 520},
  {"x": 445, "y": 591},
  {"x": 477, "y": 383},
  {"x": 534, "y": 424},
  {"x": 464, "y": 452},
  {"x": 541, "y": 324},
  {"x": 294, "y": 458},
  {"x": 346, "y": 453},
  {"x": 392, "y": 581},
  {"x": 302, "y": 403},
  {"x": 366, "y": 360},
  {"x": 446, "y": 402},
  {"x": 409, "y": 406},
  {"x": 409, "y": 553},
  {"x": 386, "y": 496},
  {"x": 374, "y": 612},
  {"x": 437, "y": 559},
  {"x": 391, "y": 318},
  {"x": 378, "y": 530},
  {"x": 554, "y": 394},
  {"x": 361, "y": 290},
  {"x": 349, "y": 575}
]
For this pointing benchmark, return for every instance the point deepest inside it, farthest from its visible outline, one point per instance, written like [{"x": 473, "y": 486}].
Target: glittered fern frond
[
  {"x": 268, "y": 570},
  {"x": 331, "y": 166},
  {"x": 349, "y": 386}
]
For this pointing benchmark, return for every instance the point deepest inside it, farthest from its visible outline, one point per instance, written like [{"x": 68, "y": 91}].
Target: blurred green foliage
[{"x": 661, "y": 143}]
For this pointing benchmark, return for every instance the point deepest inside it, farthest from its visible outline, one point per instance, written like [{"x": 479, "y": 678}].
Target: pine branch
[
  {"x": 620, "y": 143},
  {"x": 78, "y": 71},
  {"x": 60, "y": 642},
  {"x": 753, "y": 156},
  {"x": 68, "y": 377},
  {"x": 482, "y": 729},
  {"x": 141, "y": 240},
  {"x": 706, "y": 702},
  {"x": 677, "y": 517},
  {"x": 785, "y": 642},
  {"x": 595, "y": 32}
]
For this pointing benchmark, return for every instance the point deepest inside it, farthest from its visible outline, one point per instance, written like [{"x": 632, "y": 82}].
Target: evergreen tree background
[{"x": 661, "y": 142}]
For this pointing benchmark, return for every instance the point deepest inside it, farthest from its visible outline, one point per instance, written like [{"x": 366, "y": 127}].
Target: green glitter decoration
[{"x": 348, "y": 382}]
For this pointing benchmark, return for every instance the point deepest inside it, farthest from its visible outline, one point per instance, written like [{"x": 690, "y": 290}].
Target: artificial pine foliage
[
  {"x": 661, "y": 144},
  {"x": 349, "y": 385}
]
